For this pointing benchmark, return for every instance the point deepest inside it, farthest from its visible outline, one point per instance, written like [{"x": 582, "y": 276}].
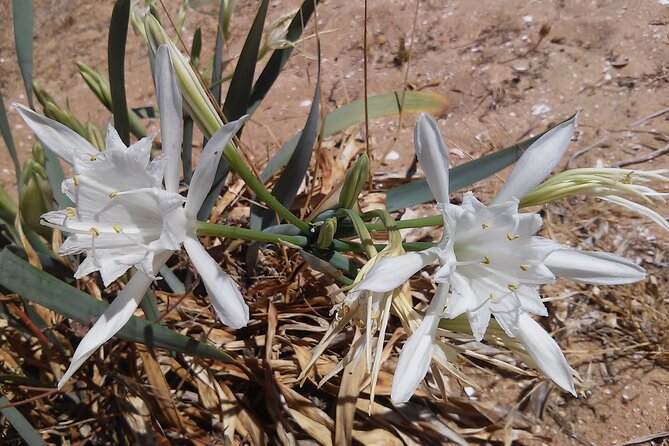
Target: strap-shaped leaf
[
  {"x": 22, "y": 11},
  {"x": 289, "y": 182},
  {"x": 44, "y": 289},
  {"x": 417, "y": 191},
  {"x": 17, "y": 420},
  {"x": 118, "y": 33},
  {"x": 280, "y": 56},
  {"x": 237, "y": 99},
  {"x": 381, "y": 106},
  {"x": 9, "y": 140}
]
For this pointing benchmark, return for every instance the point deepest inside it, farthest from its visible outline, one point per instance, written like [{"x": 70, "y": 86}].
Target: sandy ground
[{"x": 505, "y": 82}]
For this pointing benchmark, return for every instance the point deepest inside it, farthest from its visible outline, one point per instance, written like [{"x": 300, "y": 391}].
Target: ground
[{"x": 510, "y": 70}]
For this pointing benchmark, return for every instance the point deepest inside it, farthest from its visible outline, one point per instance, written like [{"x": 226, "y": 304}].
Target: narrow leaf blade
[
  {"x": 44, "y": 289},
  {"x": 22, "y": 11},
  {"x": 118, "y": 33},
  {"x": 9, "y": 140},
  {"x": 19, "y": 422}
]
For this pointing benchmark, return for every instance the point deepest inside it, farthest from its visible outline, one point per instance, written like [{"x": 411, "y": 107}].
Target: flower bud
[
  {"x": 326, "y": 233},
  {"x": 8, "y": 208},
  {"x": 354, "y": 182},
  {"x": 36, "y": 196}
]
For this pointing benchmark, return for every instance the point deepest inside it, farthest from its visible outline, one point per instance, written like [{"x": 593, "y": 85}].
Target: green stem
[
  {"x": 215, "y": 230},
  {"x": 238, "y": 165}
]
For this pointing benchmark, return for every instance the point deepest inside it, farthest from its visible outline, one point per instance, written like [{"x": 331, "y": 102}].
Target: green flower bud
[
  {"x": 326, "y": 233},
  {"x": 36, "y": 196},
  {"x": 354, "y": 182},
  {"x": 8, "y": 208}
]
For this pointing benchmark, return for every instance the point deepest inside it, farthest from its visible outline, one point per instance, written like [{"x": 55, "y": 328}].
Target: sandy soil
[{"x": 608, "y": 58}]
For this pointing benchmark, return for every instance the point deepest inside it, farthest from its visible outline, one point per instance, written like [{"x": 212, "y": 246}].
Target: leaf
[
  {"x": 22, "y": 11},
  {"x": 289, "y": 182},
  {"x": 239, "y": 92},
  {"x": 44, "y": 289},
  {"x": 279, "y": 57},
  {"x": 380, "y": 106},
  {"x": 118, "y": 33},
  {"x": 15, "y": 418},
  {"x": 417, "y": 191},
  {"x": 237, "y": 99},
  {"x": 9, "y": 141}
]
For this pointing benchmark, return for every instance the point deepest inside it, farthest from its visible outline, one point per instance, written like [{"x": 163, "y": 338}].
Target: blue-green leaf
[
  {"x": 118, "y": 33},
  {"x": 19, "y": 422},
  {"x": 417, "y": 191},
  {"x": 289, "y": 182},
  {"x": 22, "y": 11},
  {"x": 44, "y": 289},
  {"x": 9, "y": 141}
]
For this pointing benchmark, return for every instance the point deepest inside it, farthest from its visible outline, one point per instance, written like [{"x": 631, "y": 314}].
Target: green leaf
[
  {"x": 22, "y": 11},
  {"x": 17, "y": 420},
  {"x": 380, "y": 106},
  {"x": 9, "y": 141},
  {"x": 279, "y": 57},
  {"x": 237, "y": 99},
  {"x": 289, "y": 182},
  {"x": 417, "y": 191},
  {"x": 44, "y": 289},
  {"x": 118, "y": 33}
]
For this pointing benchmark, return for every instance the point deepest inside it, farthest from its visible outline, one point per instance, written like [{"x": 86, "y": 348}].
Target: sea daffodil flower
[
  {"x": 491, "y": 262},
  {"x": 124, "y": 217}
]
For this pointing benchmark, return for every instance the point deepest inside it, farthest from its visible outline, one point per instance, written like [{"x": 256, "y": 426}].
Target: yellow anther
[
  {"x": 485, "y": 226},
  {"x": 94, "y": 157},
  {"x": 512, "y": 237},
  {"x": 525, "y": 266},
  {"x": 492, "y": 298},
  {"x": 75, "y": 180},
  {"x": 118, "y": 229},
  {"x": 113, "y": 194},
  {"x": 512, "y": 287},
  {"x": 70, "y": 212},
  {"x": 485, "y": 261},
  {"x": 95, "y": 231}
]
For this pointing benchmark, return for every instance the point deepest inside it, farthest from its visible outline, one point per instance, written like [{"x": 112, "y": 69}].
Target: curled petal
[
  {"x": 62, "y": 141},
  {"x": 171, "y": 121},
  {"x": 640, "y": 209},
  {"x": 599, "y": 268},
  {"x": 545, "y": 352},
  {"x": 228, "y": 302},
  {"x": 203, "y": 177},
  {"x": 391, "y": 272},
  {"x": 416, "y": 354},
  {"x": 537, "y": 162},
  {"x": 433, "y": 156},
  {"x": 112, "y": 320}
]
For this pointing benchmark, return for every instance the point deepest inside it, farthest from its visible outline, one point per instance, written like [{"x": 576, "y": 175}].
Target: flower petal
[
  {"x": 391, "y": 272},
  {"x": 171, "y": 120},
  {"x": 203, "y": 177},
  {"x": 433, "y": 156},
  {"x": 640, "y": 209},
  {"x": 62, "y": 141},
  {"x": 537, "y": 162},
  {"x": 416, "y": 354},
  {"x": 599, "y": 268},
  {"x": 545, "y": 352},
  {"x": 228, "y": 302},
  {"x": 112, "y": 320}
]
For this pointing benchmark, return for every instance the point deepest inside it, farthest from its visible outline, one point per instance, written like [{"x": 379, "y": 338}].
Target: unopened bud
[
  {"x": 326, "y": 233},
  {"x": 36, "y": 196},
  {"x": 354, "y": 182}
]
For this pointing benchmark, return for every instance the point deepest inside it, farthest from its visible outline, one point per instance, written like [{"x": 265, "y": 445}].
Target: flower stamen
[
  {"x": 525, "y": 266},
  {"x": 485, "y": 261},
  {"x": 512, "y": 237}
]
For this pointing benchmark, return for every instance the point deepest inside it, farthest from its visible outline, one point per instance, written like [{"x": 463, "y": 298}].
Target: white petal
[
  {"x": 640, "y": 209},
  {"x": 537, "y": 162},
  {"x": 479, "y": 320},
  {"x": 599, "y": 268},
  {"x": 223, "y": 291},
  {"x": 205, "y": 172},
  {"x": 391, "y": 272},
  {"x": 111, "y": 321},
  {"x": 545, "y": 352},
  {"x": 416, "y": 354},
  {"x": 433, "y": 156},
  {"x": 62, "y": 141},
  {"x": 171, "y": 121},
  {"x": 113, "y": 140}
]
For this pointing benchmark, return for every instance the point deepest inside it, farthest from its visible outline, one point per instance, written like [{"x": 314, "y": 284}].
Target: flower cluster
[{"x": 123, "y": 216}]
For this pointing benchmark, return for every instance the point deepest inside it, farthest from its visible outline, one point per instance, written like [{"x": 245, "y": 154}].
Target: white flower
[
  {"x": 124, "y": 217},
  {"x": 491, "y": 262}
]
